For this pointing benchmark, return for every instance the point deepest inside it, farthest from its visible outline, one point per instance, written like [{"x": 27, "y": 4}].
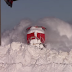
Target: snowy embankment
[{"x": 17, "y": 56}]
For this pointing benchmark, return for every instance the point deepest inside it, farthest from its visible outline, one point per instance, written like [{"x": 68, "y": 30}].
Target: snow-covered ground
[{"x": 17, "y": 56}]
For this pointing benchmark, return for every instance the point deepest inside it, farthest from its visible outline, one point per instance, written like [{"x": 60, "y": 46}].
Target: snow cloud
[{"x": 17, "y": 56}]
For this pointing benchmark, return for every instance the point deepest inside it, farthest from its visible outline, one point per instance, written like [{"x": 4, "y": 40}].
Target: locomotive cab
[{"x": 36, "y": 36}]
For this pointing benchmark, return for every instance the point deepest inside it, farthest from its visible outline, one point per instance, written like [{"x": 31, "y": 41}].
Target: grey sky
[{"x": 34, "y": 10}]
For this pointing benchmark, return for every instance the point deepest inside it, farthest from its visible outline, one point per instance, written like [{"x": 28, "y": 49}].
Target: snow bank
[{"x": 17, "y": 56}]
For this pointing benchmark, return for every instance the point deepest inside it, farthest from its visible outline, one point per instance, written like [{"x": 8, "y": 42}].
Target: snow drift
[{"x": 17, "y": 56}]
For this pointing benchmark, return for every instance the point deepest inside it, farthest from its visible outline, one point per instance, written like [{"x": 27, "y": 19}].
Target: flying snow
[{"x": 17, "y": 56}]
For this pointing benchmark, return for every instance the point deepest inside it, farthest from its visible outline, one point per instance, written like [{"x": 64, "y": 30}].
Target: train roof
[{"x": 36, "y": 27}]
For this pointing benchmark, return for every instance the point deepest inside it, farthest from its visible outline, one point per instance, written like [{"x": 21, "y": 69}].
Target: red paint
[
  {"x": 39, "y": 36},
  {"x": 11, "y": 1},
  {"x": 28, "y": 28},
  {"x": 30, "y": 36}
]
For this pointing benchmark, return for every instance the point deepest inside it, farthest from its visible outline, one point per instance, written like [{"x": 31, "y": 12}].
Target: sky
[{"x": 34, "y": 10}]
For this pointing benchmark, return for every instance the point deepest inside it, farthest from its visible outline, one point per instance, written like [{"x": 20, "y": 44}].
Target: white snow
[
  {"x": 17, "y": 56},
  {"x": 33, "y": 29},
  {"x": 35, "y": 41}
]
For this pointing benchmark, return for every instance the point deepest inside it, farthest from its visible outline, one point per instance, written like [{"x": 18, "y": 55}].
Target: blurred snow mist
[{"x": 17, "y": 56}]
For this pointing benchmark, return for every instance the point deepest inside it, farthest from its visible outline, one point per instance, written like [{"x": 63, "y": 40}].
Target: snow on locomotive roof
[{"x": 35, "y": 29}]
